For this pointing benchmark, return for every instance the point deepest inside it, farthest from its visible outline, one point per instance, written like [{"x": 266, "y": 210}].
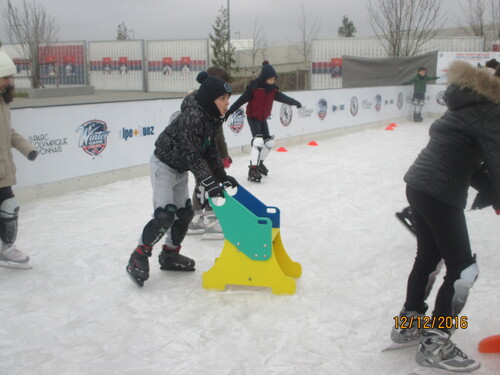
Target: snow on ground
[{"x": 76, "y": 312}]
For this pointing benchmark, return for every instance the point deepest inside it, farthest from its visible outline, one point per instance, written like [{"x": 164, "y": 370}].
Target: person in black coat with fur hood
[
  {"x": 260, "y": 95},
  {"x": 185, "y": 145},
  {"x": 463, "y": 150}
]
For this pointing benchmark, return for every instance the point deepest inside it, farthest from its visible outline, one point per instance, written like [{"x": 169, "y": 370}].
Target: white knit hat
[{"x": 7, "y": 67}]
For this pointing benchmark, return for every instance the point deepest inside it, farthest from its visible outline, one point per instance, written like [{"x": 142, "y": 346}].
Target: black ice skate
[
  {"x": 254, "y": 174},
  {"x": 405, "y": 217},
  {"x": 263, "y": 169},
  {"x": 171, "y": 260},
  {"x": 417, "y": 117},
  {"x": 138, "y": 265}
]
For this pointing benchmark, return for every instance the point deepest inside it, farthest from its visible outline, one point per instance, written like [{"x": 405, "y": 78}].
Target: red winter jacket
[{"x": 260, "y": 101}]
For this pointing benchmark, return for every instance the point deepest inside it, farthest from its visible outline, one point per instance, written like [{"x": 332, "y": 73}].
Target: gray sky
[{"x": 192, "y": 19}]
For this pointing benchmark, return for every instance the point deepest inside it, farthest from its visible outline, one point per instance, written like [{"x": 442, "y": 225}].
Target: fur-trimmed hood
[{"x": 465, "y": 76}]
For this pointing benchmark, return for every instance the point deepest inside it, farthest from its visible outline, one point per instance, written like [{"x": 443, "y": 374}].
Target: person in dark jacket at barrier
[
  {"x": 260, "y": 95},
  {"x": 183, "y": 146},
  {"x": 419, "y": 82},
  {"x": 464, "y": 143}
]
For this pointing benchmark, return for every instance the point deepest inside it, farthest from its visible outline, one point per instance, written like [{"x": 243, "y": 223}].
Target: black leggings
[
  {"x": 259, "y": 128},
  {"x": 6, "y": 193},
  {"x": 441, "y": 234}
]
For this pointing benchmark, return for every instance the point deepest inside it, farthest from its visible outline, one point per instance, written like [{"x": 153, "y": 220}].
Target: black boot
[
  {"x": 138, "y": 264},
  {"x": 263, "y": 169},
  {"x": 254, "y": 173},
  {"x": 171, "y": 260}
]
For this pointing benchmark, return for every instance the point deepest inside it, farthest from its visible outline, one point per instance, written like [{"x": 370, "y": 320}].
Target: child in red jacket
[{"x": 260, "y": 95}]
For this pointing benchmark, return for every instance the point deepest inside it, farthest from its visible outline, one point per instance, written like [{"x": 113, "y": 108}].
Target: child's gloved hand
[
  {"x": 212, "y": 188},
  {"x": 230, "y": 181}
]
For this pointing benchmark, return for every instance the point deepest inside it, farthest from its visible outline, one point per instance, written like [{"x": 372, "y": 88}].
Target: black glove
[
  {"x": 483, "y": 199},
  {"x": 32, "y": 155},
  {"x": 212, "y": 188},
  {"x": 298, "y": 105},
  {"x": 230, "y": 181}
]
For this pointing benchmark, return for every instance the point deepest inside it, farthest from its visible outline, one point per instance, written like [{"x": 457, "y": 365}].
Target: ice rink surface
[{"x": 77, "y": 312}]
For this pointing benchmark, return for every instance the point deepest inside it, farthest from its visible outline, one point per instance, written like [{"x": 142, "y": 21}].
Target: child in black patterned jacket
[{"x": 183, "y": 146}]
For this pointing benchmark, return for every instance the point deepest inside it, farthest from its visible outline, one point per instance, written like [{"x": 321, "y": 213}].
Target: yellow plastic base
[{"x": 235, "y": 268}]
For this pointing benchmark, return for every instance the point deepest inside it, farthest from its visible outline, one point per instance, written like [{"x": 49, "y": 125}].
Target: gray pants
[{"x": 169, "y": 187}]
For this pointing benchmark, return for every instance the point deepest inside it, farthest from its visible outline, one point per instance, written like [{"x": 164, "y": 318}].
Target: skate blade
[
  {"x": 405, "y": 224},
  {"x": 137, "y": 280},
  {"x": 15, "y": 265},
  {"x": 213, "y": 236},
  {"x": 398, "y": 346},
  {"x": 195, "y": 231},
  {"x": 177, "y": 267},
  {"x": 253, "y": 179}
]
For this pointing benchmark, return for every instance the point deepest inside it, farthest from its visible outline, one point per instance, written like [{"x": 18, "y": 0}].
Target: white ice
[{"x": 77, "y": 312}]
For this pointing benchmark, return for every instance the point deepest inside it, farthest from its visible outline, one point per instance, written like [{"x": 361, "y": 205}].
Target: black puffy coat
[
  {"x": 466, "y": 135},
  {"x": 189, "y": 139}
]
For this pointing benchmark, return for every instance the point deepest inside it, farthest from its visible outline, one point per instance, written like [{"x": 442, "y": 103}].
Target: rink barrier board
[{"x": 95, "y": 144}]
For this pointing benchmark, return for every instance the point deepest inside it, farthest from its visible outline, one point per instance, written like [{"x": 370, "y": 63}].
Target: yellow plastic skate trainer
[{"x": 253, "y": 253}]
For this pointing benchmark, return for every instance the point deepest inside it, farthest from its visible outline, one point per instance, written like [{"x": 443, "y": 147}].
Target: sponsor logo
[
  {"x": 400, "y": 100},
  {"x": 354, "y": 106},
  {"x": 93, "y": 137},
  {"x": 141, "y": 131},
  {"x": 236, "y": 121},
  {"x": 174, "y": 116},
  {"x": 340, "y": 107},
  {"x": 322, "y": 108},
  {"x": 378, "y": 102},
  {"x": 366, "y": 104},
  {"x": 286, "y": 114},
  {"x": 305, "y": 112},
  {"x": 440, "y": 98},
  {"x": 45, "y": 144}
]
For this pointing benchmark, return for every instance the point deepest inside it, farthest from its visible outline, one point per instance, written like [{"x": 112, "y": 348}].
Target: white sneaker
[
  {"x": 197, "y": 225},
  {"x": 438, "y": 351},
  {"x": 213, "y": 229},
  {"x": 12, "y": 257}
]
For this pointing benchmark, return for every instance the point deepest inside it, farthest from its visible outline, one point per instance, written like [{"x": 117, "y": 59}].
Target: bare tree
[
  {"x": 34, "y": 31},
  {"x": 258, "y": 46},
  {"x": 481, "y": 18},
  {"x": 403, "y": 26},
  {"x": 494, "y": 9},
  {"x": 474, "y": 13},
  {"x": 309, "y": 27}
]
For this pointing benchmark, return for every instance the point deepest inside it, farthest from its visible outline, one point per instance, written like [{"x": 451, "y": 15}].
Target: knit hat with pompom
[
  {"x": 210, "y": 89},
  {"x": 267, "y": 71}
]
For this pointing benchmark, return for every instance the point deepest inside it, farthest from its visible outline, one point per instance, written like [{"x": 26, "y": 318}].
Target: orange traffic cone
[
  {"x": 282, "y": 149},
  {"x": 312, "y": 143},
  {"x": 490, "y": 344}
]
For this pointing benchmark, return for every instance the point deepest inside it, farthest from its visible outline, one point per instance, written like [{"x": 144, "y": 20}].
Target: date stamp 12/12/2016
[{"x": 428, "y": 322}]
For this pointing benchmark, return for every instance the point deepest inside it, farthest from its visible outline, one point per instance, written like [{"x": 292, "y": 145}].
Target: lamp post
[{"x": 228, "y": 28}]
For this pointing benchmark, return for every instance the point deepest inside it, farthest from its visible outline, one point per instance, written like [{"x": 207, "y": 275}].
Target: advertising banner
[{"x": 83, "y": 140}]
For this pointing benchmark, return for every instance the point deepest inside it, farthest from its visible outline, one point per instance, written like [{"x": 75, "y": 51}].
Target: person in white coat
[{"x": 10, "y": 255}]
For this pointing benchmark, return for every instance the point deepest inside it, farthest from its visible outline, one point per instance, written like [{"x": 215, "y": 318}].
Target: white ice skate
[
  {"x": 197, "y": 225},
  {"x": 436, "y": 350},
  {"x": 213, "y": 230},
  {"x": 12, "y": 257}
]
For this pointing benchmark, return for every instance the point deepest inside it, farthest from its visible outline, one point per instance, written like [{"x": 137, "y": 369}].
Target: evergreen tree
[
  {"x": 222, "y": 51},
  {"x": 347, "y": 29},
  {"x": 122, "y": 32}
]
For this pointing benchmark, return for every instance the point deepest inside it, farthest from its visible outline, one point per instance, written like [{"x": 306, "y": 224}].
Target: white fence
[{"x": 172, "y": 65}]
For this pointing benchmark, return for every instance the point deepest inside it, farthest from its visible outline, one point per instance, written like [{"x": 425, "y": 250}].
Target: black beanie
[
  {"x": 211, "y": 88},
  {"x": 267, "y": 71}
]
